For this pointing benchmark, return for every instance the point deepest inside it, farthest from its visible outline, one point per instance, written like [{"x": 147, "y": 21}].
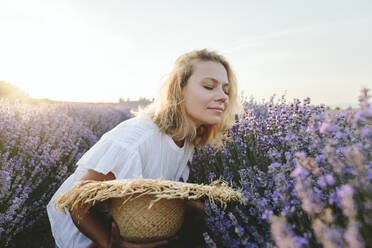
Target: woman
[{"x": 196, "y": 105}]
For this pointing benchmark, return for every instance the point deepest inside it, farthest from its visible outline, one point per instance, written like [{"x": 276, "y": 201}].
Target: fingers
[
  {"x": 173, "y": 238},
  {"x": 195, "y": 206},
  {"x": 145, "y": 245},
  {"x": 156, "y": 243},
  {"x": 92, "y": 245},
  {"x": 115, "y": 233}
]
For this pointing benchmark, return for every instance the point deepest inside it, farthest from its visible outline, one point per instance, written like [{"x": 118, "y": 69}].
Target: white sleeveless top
[{"x": 134, "y": 148}]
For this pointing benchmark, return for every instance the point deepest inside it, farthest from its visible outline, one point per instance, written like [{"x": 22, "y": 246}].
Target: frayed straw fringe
[{"x": 86, "y": 193}]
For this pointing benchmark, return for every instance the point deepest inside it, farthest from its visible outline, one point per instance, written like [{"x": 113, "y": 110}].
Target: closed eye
[{"x": 211, "y": 88}]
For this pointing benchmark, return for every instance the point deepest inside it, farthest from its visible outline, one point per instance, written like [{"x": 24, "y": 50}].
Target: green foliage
[{"x": 12, "y": 92}]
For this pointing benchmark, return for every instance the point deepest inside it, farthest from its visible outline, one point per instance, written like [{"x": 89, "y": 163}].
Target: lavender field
[
  {"x": 306, "y": 172},
  {"x": 39, "y": 146}
]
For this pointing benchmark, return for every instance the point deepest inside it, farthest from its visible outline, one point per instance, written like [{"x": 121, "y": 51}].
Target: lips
[{"x": 217, "y": 109}]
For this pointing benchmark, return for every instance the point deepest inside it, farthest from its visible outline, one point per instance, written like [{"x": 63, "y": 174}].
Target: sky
[{"x": 103, "y": 50}]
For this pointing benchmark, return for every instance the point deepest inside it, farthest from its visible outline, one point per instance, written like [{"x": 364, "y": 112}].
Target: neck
[{"x": 179, "y": 143}]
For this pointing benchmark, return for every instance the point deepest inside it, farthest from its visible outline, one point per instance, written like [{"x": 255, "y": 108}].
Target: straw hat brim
[
  {"x": 86, "y": 194},
  {"x": 144, "y": 209}
]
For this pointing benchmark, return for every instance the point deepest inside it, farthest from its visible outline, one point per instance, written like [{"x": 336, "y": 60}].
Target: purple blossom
[
  {"x": 327, "y": 128},
  {"x": 41, "y": 143},
  {"x": 299, "y": 171},
  {"x": 274, "y": 165},
  {"x": 278, "y": 155},
  {"x": 330, "y": 179}
]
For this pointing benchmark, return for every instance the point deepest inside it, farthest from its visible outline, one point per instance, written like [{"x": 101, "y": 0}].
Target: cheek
[
  {"x": 191, "y": 102},
  {"x": 204, "y": 97},
  {"x": 198, "y": 98}
]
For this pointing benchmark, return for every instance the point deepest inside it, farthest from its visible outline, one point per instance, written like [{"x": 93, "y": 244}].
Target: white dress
[{"x": 134, "y": 148}]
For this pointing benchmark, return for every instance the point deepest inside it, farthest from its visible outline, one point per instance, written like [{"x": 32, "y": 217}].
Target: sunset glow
[{"x": 101, "y": 51}]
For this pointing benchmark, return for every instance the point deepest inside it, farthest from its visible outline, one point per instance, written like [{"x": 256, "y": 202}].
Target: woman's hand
[
  {"x": 194, "y": 225},
  {"x": 118, "y": 242},
  {"x": 196, "y": 207}
]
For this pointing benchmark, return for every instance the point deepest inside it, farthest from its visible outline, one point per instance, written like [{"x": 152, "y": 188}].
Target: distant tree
[
  {"x": 364, "y": 94},
  {"x": 337, "y": 108},
  {"x": 143, "y": 99},
  {"x": 121, "y": 100},
  {"x": 12, "y": 92}
]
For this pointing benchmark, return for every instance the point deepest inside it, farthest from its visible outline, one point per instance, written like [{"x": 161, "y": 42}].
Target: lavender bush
[
  {"x": 39, "y": 146},
  {"x": 335, "y": 188},
  {"x": 306, "y": 172},
  {"x": 286, "y": 194}
]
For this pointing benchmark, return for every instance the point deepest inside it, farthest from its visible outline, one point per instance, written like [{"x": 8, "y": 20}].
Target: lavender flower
[{"x": 39, "y": 146}]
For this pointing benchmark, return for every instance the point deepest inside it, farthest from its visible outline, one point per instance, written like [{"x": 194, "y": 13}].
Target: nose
[{"x": 222, "y": 96}]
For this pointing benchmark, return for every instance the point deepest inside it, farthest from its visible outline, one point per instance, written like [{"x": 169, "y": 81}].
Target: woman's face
[{"x": 206, "y": 93}]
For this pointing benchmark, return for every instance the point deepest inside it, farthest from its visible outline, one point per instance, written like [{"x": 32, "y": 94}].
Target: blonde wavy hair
[{"x": 168, "y": 110}]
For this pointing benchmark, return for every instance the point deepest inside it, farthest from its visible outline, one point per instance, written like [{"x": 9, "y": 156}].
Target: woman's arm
[{"x": 92, "y": 224}]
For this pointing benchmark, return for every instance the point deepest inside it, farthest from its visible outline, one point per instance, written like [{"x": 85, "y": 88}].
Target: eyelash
[{"x": 210, "y": 88}]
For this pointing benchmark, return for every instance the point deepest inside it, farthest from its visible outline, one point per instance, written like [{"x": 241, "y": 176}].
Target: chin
[
  {"x": 213, "y": 122},
  {"x": 208, "y": 120}
]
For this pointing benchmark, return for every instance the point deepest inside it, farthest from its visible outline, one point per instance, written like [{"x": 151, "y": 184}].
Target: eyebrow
[{"x": 215, "y": 80}]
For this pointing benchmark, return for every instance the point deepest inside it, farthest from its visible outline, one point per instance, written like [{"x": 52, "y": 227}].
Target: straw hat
[{"x": 145, "y": 209}]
